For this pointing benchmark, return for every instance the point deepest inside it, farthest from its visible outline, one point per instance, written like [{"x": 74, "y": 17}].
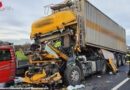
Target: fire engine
[
  {"x": 10, "y": 66},
  {"x": 7, "y": 62}
]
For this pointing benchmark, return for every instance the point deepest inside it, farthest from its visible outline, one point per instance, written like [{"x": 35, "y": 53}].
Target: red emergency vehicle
[{"x": 7, "y": 64}]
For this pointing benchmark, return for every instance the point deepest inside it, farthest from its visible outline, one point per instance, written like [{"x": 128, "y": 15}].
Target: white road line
[{"x": 120, "y": 84}]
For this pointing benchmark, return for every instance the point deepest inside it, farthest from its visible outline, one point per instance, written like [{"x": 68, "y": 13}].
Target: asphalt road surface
[{"x": 120, "y": 81}]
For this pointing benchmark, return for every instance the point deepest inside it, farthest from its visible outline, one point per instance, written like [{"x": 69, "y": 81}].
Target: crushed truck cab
[
  {"x": 72, "y": 43},
  {"x": 52, "y": 23}
]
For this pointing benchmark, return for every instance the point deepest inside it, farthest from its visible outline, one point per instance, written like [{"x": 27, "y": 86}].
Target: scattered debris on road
[
  {"x": 18, "y": 80},
  {"x": 81, "y": 87},
  {"x": 110, "y": 73},
  {"x": 99, "y": 76}
]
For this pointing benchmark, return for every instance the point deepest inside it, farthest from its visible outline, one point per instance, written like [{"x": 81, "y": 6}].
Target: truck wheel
[
  {"x": 119, "y": 61},
  {"x": 72, "y": 75},
  {"x": 123, "y": 60},
  {"x": 104, "y": 69}
]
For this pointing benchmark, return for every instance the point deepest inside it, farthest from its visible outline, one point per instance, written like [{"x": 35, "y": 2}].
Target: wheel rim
[
  {"x": 119, "y": 62},
  {"x": 104, "y": 69},
  {"x": 123, "y": 61},
  {"x": 75, "y": 75}
]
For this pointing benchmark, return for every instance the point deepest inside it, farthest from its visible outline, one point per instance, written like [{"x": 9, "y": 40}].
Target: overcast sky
[{"x": 16, "y": 19}]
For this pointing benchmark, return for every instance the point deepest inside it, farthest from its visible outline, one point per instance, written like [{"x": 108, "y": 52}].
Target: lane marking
[{"x": 120, "y": 84}]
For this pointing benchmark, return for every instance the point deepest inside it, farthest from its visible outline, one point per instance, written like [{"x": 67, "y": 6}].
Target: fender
[
  {"x": 71, "y": 61},
  {"x": 74, "y": 61}
]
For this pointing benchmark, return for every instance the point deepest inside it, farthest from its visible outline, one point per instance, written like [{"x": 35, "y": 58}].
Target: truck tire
[
  {"x": 123, "y": 60},
  {"x": 72, "y": 75},
  {"x": 104, "y": 68},
  {"x": 118, "y": 60}
]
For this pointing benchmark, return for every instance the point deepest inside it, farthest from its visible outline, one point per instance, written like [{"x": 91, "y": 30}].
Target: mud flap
[
  {"x": 112, "y": 65},
  {"x": 111, "y": 59}
]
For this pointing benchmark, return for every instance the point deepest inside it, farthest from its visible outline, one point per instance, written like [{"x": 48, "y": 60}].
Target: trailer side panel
[{"x": 102, "y": 31}]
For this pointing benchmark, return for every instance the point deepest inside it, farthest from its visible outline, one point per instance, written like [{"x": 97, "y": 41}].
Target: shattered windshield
[{"x": 50, "y": 51}]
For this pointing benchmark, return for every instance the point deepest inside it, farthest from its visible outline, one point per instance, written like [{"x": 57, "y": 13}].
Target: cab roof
[{"x": 52, "y": 22}]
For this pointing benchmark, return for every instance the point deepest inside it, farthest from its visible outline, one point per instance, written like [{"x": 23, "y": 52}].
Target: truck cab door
[{"x": 7, "y": 65}]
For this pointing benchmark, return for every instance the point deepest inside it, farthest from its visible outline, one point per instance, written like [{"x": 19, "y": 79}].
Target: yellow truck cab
[{"x": 82, "y": 44}]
